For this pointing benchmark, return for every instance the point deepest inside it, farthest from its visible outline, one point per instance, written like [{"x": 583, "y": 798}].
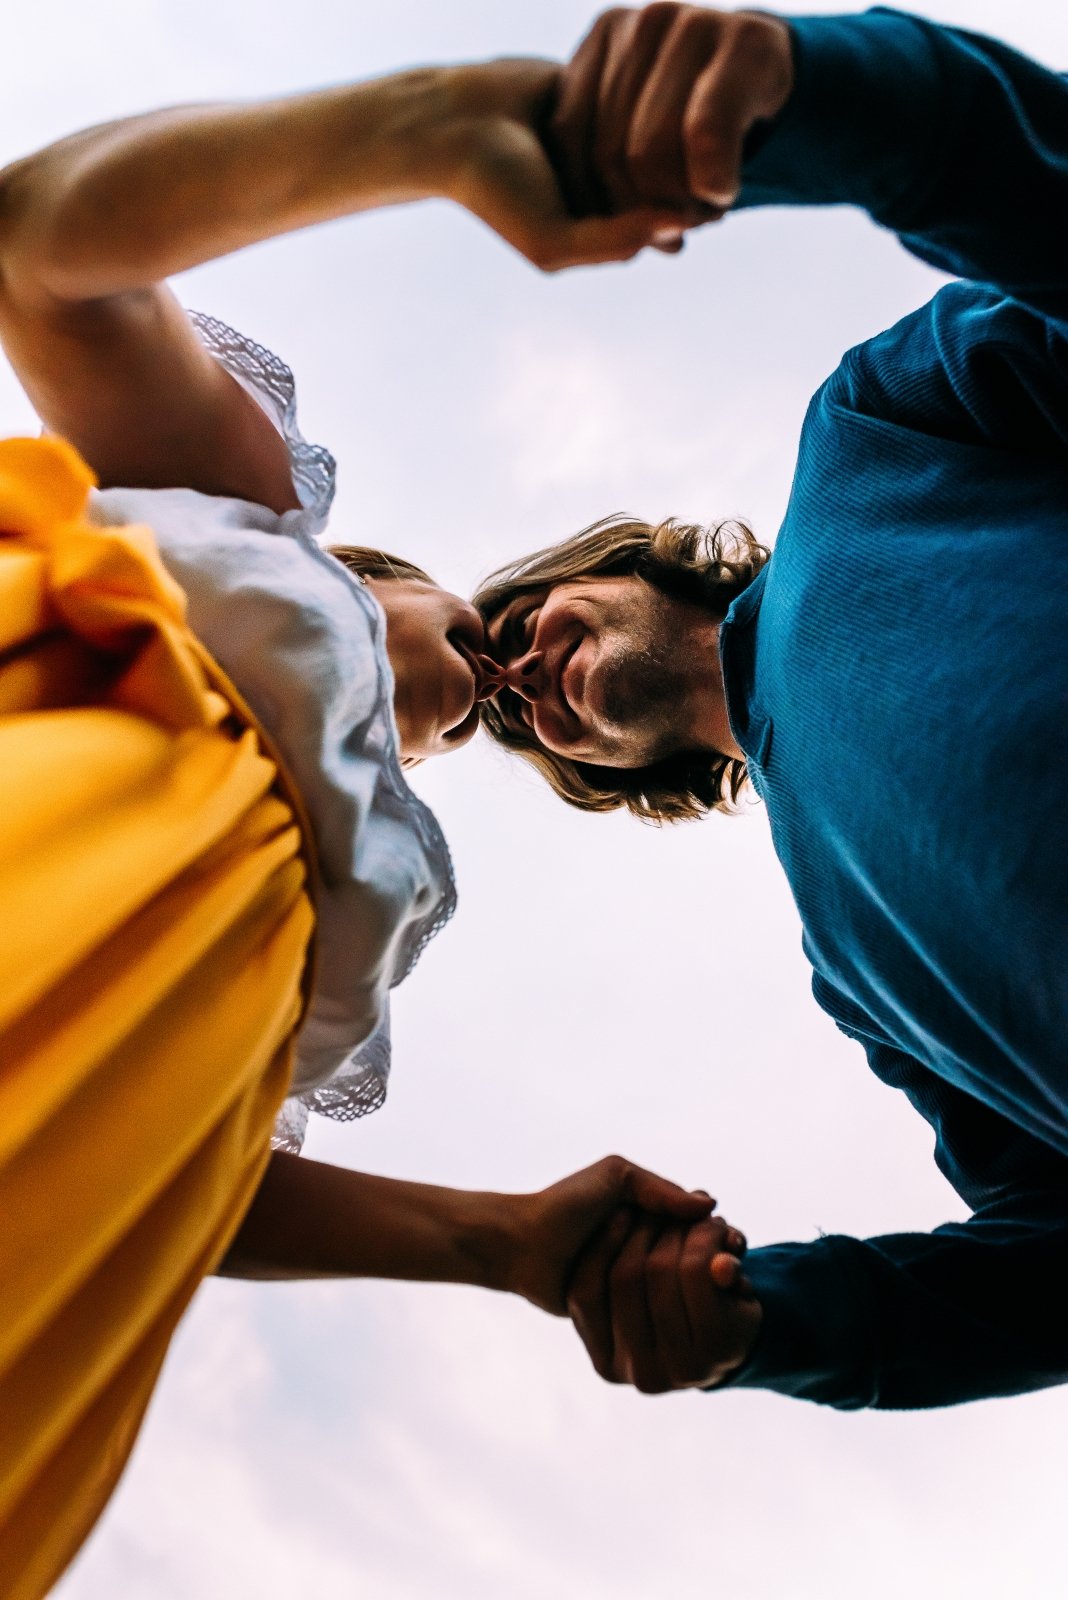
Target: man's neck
[{"x": 709, "y": 725}]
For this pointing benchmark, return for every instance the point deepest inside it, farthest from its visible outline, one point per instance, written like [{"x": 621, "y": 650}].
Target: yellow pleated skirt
[{"x": 155, "y": 931}]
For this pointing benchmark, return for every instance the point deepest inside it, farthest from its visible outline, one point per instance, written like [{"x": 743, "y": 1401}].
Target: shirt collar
[{"x": 738, "y": 662}]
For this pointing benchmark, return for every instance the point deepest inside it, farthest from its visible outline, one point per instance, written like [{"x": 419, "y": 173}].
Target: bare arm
[
  {"x": 310, "y": 1220},
  {"x": 91, "y": 228}
]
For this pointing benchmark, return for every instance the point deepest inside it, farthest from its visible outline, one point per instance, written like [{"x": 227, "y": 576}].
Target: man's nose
[
  {"x": 491, "y": 678},
  {"x": 524, "y": 676}
]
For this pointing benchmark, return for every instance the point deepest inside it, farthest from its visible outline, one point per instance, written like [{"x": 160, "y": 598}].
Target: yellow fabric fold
[{"x": 156, "y": 930}]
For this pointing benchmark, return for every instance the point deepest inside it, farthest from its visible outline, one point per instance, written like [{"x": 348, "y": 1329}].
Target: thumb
[
  {"x": 593, "y": 241},
  {"x": 659, "y": 1195},
  {"x": 720, "y": 113}
]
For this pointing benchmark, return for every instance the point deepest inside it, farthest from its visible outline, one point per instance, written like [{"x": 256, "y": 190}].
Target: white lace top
[{"x": 304, "y": 642}]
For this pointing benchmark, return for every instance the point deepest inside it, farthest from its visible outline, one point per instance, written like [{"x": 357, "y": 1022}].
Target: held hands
[
  {"x": 549, "y": 1230},
  {"x": 637, "y": 139},
  {"x": 664, "y": 1306},
  {"x": 654, "y": 106},
  {"x": 499, "y": 169},
  {"x": 651, "y": 1280}
]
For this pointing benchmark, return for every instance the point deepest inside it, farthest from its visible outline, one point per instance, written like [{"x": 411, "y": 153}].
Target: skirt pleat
[{"x": 155, "y": 937}]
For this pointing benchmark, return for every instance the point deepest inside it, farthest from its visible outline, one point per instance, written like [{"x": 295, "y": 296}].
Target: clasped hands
[
  {"x": 636, "y": 140},
  {"x": 650, "y": 1278}
]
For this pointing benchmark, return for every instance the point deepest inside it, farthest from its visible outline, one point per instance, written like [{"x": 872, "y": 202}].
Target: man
[{"x": 893, "y": 680}]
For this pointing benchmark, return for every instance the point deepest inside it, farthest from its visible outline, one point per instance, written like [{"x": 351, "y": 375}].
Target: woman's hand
[
  {"x": 551, "y": 1229},
  {"x": 664, "y": 1308},
  {"x": 493, "y": 161}
]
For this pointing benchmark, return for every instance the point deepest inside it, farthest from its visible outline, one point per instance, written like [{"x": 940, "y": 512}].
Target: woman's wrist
[{"x": 491, "y": 1235}]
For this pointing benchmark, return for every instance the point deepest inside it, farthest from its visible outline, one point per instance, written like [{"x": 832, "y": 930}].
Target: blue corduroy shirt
[{"x": 898, "y": 679}]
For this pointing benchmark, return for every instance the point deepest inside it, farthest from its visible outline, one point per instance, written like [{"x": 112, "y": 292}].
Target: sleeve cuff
[
  {"x": 861, "y": 115},
  {"x": 814, "y": 1341}
]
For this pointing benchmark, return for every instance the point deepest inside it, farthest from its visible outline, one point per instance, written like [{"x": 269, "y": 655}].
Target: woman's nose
[
  {"x": 523, "y": 676},
  {"x": 490, "y": 678}
]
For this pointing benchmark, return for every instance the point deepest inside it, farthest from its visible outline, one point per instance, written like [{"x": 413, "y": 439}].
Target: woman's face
[{"x": 436, "y": 644}]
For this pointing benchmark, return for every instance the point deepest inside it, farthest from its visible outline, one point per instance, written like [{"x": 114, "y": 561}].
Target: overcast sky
[{"x": 604, "y": 986}]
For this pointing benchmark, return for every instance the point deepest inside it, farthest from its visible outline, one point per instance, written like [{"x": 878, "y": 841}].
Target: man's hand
[
  {"x": 664, "y": 1307},
  {"x": 495, "y": 164},
  {"x": 547, "y": 1231},
  {"x": 655, "y": 105}
]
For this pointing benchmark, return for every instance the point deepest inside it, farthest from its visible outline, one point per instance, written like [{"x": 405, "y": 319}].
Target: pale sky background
[{"x": 604, "y": 986}]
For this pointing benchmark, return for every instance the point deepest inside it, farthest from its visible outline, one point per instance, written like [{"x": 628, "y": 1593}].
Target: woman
[{"x": 211, "y": 869}]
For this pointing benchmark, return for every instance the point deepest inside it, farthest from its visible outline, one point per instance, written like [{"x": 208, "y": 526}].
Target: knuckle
[
  {"x": 696, "y": 25},
  {"x": 751, "y": 34},
  {"x": 654, "y": 19},
  {"x": 753, "y": 46},
  {"x": 614, "y": 17}
]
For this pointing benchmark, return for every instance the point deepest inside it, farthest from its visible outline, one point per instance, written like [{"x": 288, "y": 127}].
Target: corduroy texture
[{"x": 155, "y": 929}]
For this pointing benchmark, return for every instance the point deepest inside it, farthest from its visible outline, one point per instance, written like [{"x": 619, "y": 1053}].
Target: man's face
[{"x": 599, "y": 669}]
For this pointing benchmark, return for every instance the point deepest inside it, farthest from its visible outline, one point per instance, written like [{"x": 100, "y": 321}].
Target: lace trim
[
  {"x": 417, "y": 812},
  {"x": 357, "y": 1088},
  {"x": 314, "y": 468}
]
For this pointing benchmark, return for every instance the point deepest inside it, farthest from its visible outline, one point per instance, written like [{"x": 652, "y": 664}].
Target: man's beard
[{"x": 642, "y": 690}]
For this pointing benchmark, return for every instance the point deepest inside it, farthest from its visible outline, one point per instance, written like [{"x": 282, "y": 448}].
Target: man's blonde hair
[{"x": 708, "y": 567}]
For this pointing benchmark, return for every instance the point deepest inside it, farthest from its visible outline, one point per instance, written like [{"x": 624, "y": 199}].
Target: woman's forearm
[
  {"x": 310, "y": 1220},
  {"x": 130, "y": 203}
]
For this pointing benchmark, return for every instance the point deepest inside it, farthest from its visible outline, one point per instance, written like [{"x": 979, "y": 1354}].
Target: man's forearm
[
  {"x": 133, "y": 202},
  {"x": 971, "y": 1311},
  {"x": 958, "y": 143},
  {"x": 311, "y": 1220}
]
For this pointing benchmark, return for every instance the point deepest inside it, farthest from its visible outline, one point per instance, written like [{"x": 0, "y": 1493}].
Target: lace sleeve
[
  {"x": 272, "y": 384},
  {"x": 356, "y": 1089}
]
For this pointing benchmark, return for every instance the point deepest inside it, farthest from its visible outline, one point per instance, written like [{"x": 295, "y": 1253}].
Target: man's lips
[
  {"x": 557, "y": 660},
  {"x": 571, "y": 679}
]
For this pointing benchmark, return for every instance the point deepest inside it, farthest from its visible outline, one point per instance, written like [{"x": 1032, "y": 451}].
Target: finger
[
  {"x": 632, "y": 1328},
  {"x": 594, "y": 241},
  {"x": 588, "y": 1302},
  {"x": 664, "y": 1198},
  {"x": 669, "y": 244},
  {"x": 737, "y": 1243},
  {"x": 672, "y": 1345},
  {"x": 632, "y": 48},
  {"x": 726, "y": 1271},
  {"x": 738, "y": 1326},
  {"x": 655, "y": 156},
  {"x": 743, "y": 82},
  {"x": 569, "y": 134},
  {"x": 703, "y": 1242}
]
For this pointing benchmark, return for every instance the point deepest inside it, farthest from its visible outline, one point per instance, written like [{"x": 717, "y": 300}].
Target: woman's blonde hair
[
  {"x": 364, "y": 562},
  {"x": 708, "y": 567}
]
